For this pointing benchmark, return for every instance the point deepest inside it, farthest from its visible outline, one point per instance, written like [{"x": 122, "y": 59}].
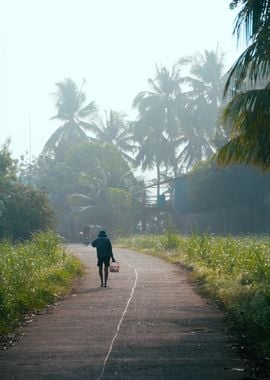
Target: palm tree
[
  {"x": 116, "y": 131},
  {"x": 199, "y": 108},
  {"x": 206, "y": 77},
  {"x": 248, "y": 111},
  {"x": 153, "y": 152},
  {"x": 195, "y": 144},
  {"x": 108, "y": 172},
  {"x": 71, "y": 109},
  {"x": 156, "y": 128}
]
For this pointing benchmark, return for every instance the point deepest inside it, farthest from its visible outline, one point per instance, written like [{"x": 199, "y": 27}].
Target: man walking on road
[{"x": 104, "y": 254}]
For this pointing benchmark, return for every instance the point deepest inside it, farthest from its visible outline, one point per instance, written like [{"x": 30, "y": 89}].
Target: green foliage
[
  {"x": 25, "y": 211},
  {"x": 84, "y": 186},
  {"x": 119, "y": 210},
  {"x": 235, "y": 271},
  {"x": 7, "y": 167},
  {"x": 247, "y": 113},
  {"x": 32, "y": 275},
  {"x": 211, "y": 187},
  {"x": 170, "y": 239}
]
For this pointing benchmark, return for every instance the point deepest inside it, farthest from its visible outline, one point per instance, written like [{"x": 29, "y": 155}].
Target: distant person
[{"x": 104, "y": 254}]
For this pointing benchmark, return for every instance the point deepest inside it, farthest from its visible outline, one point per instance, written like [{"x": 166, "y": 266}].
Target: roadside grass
[
  {"x": 32, "y": 275},
  {"x": 235, "y": 271}
]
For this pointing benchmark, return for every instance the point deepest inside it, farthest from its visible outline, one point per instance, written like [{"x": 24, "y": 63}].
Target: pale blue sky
[{"x": 114, "y": 44}]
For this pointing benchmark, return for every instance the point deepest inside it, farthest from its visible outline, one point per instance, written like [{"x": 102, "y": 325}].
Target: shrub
[{"x": 33, "y": 274}]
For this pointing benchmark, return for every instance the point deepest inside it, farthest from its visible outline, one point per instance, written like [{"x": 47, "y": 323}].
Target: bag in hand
[{"x": 114, "y": 267}]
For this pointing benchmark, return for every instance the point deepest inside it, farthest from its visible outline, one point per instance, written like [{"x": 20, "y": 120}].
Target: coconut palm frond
[
  {"x": 70, "y": 108},
  {"x": 251, "y": 67},
  {"x": 89, "y": 109},
  {"x": 77, "y": 200},
  {"x": 241, "y": 112}
]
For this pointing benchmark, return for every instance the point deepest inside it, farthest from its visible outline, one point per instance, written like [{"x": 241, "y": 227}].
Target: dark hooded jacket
[{"x": 103, "y": 245}]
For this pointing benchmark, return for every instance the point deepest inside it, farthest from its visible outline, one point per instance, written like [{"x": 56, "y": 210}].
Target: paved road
[{"x": 148, "y": 324}]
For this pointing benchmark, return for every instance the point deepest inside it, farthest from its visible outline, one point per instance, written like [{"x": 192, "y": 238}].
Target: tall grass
[
  {"x": 32, "y": 275},
  {"x": 234, "y": 271}
]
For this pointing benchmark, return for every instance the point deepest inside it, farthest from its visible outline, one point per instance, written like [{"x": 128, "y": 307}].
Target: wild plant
[
  {"x": 233, "y": 270},
  {"x": 33, "y": 274}
]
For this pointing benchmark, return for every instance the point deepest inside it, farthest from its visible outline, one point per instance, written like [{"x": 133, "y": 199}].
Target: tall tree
[
  {"x": 75, "y": 115},
  {"x": 23, "y": 209},
  {"x": 248, "y": 85},
  {"x": 114, "y": 130},
  {"x": 199, "y": 109},
  {"x": 79, "y": 185},
  {"x": 156, "y": 129},
  {"x": 7, "y": 167}
]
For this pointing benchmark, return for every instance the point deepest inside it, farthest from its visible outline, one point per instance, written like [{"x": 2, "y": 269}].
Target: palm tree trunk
[{"x": 158, "y": 179}]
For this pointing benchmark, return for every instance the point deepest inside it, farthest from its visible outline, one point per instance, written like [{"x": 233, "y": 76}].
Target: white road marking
[{"x": 120, "y": 322}]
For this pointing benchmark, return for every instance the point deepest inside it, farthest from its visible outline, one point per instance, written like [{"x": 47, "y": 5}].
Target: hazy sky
[{"x": 113, "y": 44}]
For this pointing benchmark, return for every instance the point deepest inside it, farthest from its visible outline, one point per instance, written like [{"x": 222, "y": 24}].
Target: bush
[
  {"x": 33, "y": 274},
  {"x": 25, "y": 210}
]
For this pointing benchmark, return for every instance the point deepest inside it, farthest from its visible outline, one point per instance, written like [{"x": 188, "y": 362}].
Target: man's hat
[{"x": 102, "y": 234}]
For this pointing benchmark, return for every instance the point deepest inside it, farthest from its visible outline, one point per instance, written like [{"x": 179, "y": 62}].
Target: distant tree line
[
  {"x": 177, "y": 123},
  {"x": 236, "y": 197},
  {"x": 87, "y": 166}
]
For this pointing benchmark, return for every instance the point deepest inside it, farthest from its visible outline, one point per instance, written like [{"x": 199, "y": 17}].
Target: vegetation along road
[{"x": 148, "y": 324}]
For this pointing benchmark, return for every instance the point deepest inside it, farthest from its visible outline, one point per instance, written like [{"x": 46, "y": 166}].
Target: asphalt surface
[{"x": 148, "y": 324}]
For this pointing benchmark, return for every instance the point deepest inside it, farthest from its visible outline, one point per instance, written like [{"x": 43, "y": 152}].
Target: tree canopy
[
  {"x": 86, "y": 187},
  {"x": 23, "y": 209},
  {"x": 247, "y": 113},
  {"x": 75, "y": 114}
]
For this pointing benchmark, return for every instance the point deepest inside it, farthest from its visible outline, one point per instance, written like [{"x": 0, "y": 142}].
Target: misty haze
[{"x": 132, "y": 127}]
